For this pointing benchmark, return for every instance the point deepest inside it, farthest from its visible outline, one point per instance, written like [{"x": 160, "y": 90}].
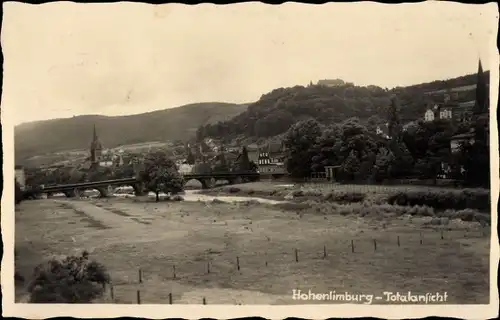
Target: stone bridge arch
[{"x": 206, "y": 182}]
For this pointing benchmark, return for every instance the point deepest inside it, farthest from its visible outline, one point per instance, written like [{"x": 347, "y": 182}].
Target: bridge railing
[
  {"x": 134, "y": 179},
  {"x": 86, "y": 184}
]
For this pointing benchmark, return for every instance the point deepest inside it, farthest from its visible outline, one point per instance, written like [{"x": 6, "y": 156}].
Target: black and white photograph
[{"x": 223, "y": 161}]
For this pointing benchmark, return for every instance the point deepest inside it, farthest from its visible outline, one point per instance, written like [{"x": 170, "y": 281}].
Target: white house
[
  {"x": 445, "y": 113},
  {"x": 429, "y": 115}
]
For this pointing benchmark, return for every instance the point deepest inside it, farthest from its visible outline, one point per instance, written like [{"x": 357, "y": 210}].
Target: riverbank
[
  {"x": 471, "y": 205},
  {"x": 277, "y": 250}
]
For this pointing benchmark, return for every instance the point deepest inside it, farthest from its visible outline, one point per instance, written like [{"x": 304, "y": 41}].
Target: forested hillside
[
  {"x": 76, "y": 133},
  {"x": 277, "y": 110}
]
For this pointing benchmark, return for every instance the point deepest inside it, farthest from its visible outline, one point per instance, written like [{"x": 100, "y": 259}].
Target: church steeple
[
  {"x": 95, "y": 148},
  {"x": 482, "y": 95}
]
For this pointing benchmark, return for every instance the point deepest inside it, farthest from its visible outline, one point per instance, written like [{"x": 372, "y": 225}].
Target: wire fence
[{"x": 142, "y": 284}]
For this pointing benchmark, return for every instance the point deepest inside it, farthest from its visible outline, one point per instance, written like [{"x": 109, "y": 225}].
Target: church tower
[{"x": 95, "y": 149}]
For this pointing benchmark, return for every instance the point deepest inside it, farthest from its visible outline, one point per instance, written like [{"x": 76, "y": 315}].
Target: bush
[
  {"x": 234, "y": 190},
  {"x": 468, "y": 215},
  {"x": 442, "y": 200},
  {"x": 297, "y": 193},
  {"x": 73, "y": 279},
  {"x": 217, "y": 201},
  {"x": 345, "y": 197},
  {"x": 177, "y": 198},
  {"x": 18, "y": 193}
]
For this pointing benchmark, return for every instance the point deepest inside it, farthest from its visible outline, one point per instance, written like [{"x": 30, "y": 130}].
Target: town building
[
  {"x": 271, "y": 159},
  {"x": 429, "y": 115},
  {"x": 458, "y": 104},
  {"x": 20, "y": 176}
]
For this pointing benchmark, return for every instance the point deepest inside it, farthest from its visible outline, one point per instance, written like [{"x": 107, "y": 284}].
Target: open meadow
[{"x": 254, "y": 253}]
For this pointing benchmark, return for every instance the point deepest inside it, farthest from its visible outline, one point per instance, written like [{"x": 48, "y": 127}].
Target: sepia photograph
[{"x": 222, "y": 161}]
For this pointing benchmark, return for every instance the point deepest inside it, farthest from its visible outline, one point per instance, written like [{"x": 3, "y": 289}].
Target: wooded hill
[
  {"x": 276, "y": 111},
  {"x": 43, "y": 137}
]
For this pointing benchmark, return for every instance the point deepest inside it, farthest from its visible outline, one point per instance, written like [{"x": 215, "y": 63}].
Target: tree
[
  {"x": 350, "y": 167},
  {"x": 76, "y": 176},
  {"x": 125, "y": 171},
  {"x": 299, "y": 141},
  {"x": 356, "y": 142},
  {"x": 190, "y": 159},
  {"x": 73, "y": 279},
  {"x": 475, "y": 159},
  {"x": 244, "y": 161},
  {"x": 383, "y": 164},
  {"x": 326, "y": 148},
  {"x": 160, "y": 174},
  {"x": 402, "y": 161},
  {"x": 18, "y": 192},
  {"x": 393, "y": 119}
]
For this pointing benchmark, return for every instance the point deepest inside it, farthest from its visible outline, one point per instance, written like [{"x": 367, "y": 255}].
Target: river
[{"x": 188, "y": 195}]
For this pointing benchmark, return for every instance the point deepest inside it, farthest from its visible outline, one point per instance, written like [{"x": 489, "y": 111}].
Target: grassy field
[
  {"x": 204, "y": 241},
  {"x": 280, "y": 189}
]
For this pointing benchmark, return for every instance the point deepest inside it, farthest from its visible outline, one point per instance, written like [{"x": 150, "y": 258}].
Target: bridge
[{"x": 207, "y": 181}]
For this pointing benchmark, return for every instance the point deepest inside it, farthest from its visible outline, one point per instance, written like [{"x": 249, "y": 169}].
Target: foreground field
[{"x": 204, "y": 242}]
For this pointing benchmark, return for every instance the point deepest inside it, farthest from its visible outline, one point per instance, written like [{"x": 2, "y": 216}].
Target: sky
[{"x": 65, "y": 59}]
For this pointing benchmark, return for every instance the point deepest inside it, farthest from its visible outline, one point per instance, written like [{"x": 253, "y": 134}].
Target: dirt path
[{"x": 106, "y": 217}]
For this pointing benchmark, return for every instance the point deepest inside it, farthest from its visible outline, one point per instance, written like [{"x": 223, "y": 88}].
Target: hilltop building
[{"x": 331, "y": 82}]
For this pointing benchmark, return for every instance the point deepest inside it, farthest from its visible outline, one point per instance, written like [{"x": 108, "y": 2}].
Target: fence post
[
  {"x": 170, "y": 298},
  {"x": 421, "y": 240},
  {"x": 324, "y": 251},
  {"x": 442, "y": 236},
  {"x": 375, "y": 245},
  {"x": 174, "y": 271},
  {"x": 112, "y": 292},
  {"x": 204, "y": 300},
  {"x": 138, "y": 297},
  {"x": 399, "y": 243},
  {"x": 238, "y": 262},
  {"x": 296, "y": 255},
  {"x": 208, "y": 266},
  {"x": 352, "y": 246},
  {"x": 140, "y": 275}
]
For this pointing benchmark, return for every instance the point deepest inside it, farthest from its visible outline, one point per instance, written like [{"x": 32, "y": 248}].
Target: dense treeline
[
  {"x": 421, "y": 150},
  {"x": 279, "y": 109}
]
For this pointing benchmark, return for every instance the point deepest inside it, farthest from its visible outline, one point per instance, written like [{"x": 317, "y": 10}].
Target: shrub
[
  {"x": 234, "y": 190},
  {"x": 290, "y": 206},
  {"x": 217, "y": 201},
  {"x": 18, "y": 193},
  {"x": 345, "y": 197},
  {"x": 442, "y": 200},
  {"x": 177, "y": 198},
  {"x": 468, "y": 215},
  {"x": 73, "y": 279},
  {"x": 297, "y": 193}
]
